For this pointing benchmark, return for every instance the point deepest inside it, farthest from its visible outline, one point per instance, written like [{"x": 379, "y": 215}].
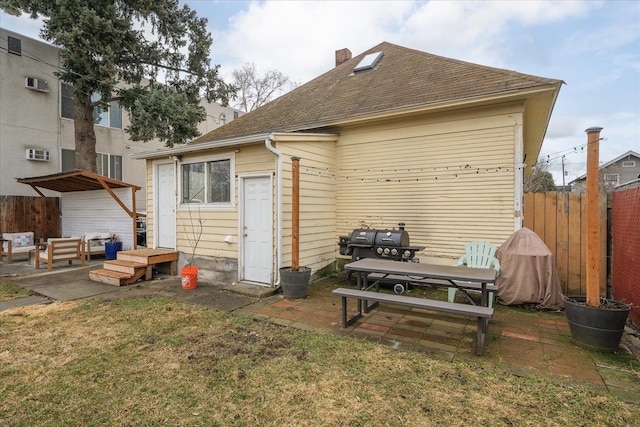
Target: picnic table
[{"x": 419, "y": 273}]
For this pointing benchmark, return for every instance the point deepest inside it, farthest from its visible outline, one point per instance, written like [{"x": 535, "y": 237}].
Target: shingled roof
[{"x": 402, "y": 79}]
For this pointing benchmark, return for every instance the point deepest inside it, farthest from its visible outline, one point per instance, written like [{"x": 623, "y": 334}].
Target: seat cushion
[{"x": 97, "y": 238}]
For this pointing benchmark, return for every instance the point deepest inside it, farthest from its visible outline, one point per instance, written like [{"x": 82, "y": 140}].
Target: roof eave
[{"x": 231, "y": 142}]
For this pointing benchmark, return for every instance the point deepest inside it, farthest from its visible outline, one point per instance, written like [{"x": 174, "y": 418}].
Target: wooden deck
[{"x": 131, "y": 266}]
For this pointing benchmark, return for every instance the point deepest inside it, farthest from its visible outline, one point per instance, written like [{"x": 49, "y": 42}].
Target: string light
[{"x": 442, "y": 173}]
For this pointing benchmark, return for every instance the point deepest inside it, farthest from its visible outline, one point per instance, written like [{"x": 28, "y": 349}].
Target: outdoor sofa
[{"x": 16, "y": 244}]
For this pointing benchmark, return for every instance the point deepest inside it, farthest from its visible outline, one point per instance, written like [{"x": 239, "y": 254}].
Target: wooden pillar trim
[
  {"x": 593, "y": 218},
  {"x": 295, "y": 213}
]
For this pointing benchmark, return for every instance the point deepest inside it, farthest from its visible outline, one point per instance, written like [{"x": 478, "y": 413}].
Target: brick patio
[{"x": 519, "y": 340}]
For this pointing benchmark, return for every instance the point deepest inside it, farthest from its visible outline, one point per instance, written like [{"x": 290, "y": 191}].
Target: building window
[
  {"x": 611, "y": 178},
  {"x": 110, "y": 118},
  {"x": 629, "y": 164},
  {"x": 66, "y": 101},
  {"x": 14, "y": 45},
  {"x": 68, "y": 160},
  {"x": 108, "y": 165},
  {"x": 209, "y": 182}
]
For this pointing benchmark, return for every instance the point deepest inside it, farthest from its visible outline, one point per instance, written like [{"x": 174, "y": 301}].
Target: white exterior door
[
  {"x": 166, "y": 206},
  {"x": 257, "y": 230}
]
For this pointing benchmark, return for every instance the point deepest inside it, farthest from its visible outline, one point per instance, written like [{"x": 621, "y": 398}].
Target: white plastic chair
[{"x": 478, "y": 254}]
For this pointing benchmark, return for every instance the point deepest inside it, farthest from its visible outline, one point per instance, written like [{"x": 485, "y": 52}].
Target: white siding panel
[{"x": 89, "y": 211}]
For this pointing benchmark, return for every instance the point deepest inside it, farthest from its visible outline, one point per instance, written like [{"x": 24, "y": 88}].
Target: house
[
  {"x": 36, "y": 122},
  {"x": 391, "y": 135},
  {"x": 619, "y": 171}
]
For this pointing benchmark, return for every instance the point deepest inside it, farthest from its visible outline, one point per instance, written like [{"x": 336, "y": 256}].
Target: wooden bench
[
  {"x": 482, "y": 313},
  {"x": 402, "y": 279}
]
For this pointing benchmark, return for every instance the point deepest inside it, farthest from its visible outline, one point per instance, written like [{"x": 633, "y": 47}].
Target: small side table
[{"x": 32, "y": 256}]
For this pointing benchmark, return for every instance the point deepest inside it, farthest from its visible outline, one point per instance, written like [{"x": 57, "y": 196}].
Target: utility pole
[{"x": 563, "y": 173}]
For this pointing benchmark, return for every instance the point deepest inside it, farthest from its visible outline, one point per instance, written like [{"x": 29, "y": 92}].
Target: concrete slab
[{"x": 23, "y": 302}]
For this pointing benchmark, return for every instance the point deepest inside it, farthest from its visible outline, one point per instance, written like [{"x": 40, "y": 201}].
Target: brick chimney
[{"x": 342, "y": 56}]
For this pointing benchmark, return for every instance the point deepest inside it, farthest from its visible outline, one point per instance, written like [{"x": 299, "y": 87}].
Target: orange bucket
[{"x": 189, "y": 277}]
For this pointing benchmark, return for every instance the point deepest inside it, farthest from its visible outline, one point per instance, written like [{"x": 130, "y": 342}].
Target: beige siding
[
  {"x": 219, "y": 223},
  {"x": 317, "y": 202},
  {"x": 450, "y": 179}
]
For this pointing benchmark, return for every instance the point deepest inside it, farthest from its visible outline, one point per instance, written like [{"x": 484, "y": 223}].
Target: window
[
  {"x": 110, "y": 118},
  {"x": 611, "y": 177},
  {"x": 66, "y": 101},
  {"x": 14, "y": 45},
  {"x": 68, "y": 160},
  {"x": 208, "y": 182},
  {"x": 108, "y": 165},
  {"x": 629, "y": 164}
]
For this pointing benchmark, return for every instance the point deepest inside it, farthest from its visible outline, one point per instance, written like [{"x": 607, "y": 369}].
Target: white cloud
[{"x": 300, "y": 38}]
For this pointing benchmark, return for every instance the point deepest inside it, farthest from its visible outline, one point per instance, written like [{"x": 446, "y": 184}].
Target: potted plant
[
  {"x": 595, "y": 323},
  {"x": 189, "y": 273},
  {"x": 294, "y": 280}
]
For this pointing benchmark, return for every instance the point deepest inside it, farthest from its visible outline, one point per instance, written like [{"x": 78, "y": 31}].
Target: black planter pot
[
  {"x": 295, "y": 283},
  {"x": 596, "y": 328}
]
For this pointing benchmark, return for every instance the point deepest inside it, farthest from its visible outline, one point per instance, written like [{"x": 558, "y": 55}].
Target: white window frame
[
  {"x": 104, "y": 118},
  {"x": 232, "y": 182},
  {"x": 608, "y": 177},
  {"x": 110, "y": 174},
  {"x": 629, "y": 164}
]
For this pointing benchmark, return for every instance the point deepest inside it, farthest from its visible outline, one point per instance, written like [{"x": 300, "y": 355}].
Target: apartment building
[{"x": 37, "y": 129}]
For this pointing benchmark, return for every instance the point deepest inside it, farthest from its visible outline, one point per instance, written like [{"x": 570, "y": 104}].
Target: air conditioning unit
[
  {"x": 36, "y": 84},
  {"x": 37, "y": 155}
]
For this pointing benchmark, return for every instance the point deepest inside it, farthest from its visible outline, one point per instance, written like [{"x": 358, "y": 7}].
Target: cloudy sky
[{"x": 593, "y": 46}]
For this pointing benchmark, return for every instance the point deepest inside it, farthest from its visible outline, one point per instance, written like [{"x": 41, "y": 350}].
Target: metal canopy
[
  {"x": 79, "y": 180},
  {"x": 74, "y": 181}
]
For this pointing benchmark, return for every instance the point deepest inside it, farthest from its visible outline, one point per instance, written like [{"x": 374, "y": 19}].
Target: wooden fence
[
  {"x": 38, "y": 214},
  {"x": 559, "y": 219}
]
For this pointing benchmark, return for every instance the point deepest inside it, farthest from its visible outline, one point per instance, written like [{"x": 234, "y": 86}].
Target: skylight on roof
[{"x": 368, "y": 62}]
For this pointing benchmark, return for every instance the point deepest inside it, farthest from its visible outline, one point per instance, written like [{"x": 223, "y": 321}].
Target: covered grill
[{"x": 371, "y": 243}]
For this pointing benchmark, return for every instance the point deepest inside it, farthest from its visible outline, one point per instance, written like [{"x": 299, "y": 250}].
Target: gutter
[
  {"x": 191, "y": 148},
  {"x": 268, "y": 144}
]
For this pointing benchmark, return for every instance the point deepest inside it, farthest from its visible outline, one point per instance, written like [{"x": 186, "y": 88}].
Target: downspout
[
  {"x": 519, "y": 178},
  {"x": 267, "y": 144}
]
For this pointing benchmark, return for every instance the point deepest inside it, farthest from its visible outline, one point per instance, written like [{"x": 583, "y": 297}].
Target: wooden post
[
  {"x": 295, "y": 213},
  {"x": 593, "y": 218}
]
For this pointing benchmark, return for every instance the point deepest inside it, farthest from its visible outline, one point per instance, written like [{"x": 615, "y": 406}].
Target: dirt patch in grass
[{"x": 151, "y": 361}]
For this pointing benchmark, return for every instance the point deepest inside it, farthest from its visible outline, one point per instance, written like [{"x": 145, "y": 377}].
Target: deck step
[
  {"x": 109, "y": 277},
  {"x": 148, "y": 256},
  {"x": 129, "y": 267}
]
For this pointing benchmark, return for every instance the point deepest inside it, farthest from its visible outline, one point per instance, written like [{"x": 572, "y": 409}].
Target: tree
[
  {"x": 255, "y": 90},
  {"x": 540, "y": 180},
  {"x": 150, "y": 56}
]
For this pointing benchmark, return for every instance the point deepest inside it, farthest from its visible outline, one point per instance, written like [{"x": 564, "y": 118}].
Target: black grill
[{"x": 371, "y": 243}]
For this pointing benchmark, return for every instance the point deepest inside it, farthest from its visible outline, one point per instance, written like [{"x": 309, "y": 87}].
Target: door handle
[{"x": 245, "y": 234}]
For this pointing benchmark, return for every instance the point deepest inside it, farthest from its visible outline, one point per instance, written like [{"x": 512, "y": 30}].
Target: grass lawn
[{"x": 153, "y": 361}]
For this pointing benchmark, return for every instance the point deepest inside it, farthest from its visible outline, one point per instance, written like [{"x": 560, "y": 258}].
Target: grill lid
[
  {"x": 362, "y": 237},
  {"x": 389, "y": 238}
]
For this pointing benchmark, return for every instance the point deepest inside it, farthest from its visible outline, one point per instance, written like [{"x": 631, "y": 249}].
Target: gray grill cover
[{"x": 528, "y": 272}]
